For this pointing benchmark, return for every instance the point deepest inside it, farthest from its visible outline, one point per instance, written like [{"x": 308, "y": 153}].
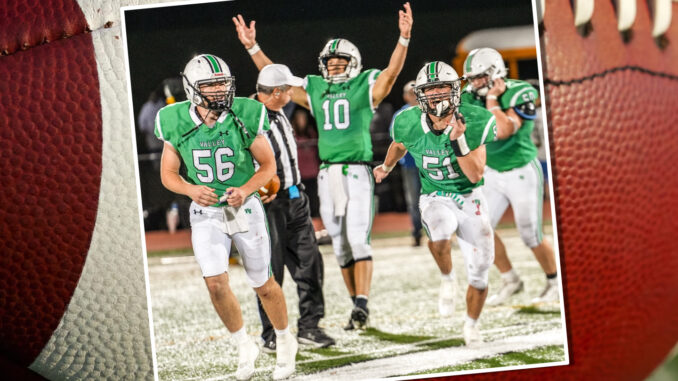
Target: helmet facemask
[
  {"x": 439, "y": 104},
  {"x": 489, "y": 82},
  {"x": 219, "y": 100},
  {"x": 336, "y": 78}
]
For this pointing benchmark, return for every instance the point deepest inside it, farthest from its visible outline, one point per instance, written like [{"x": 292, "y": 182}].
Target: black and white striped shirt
[{"x": 281, "y": 138}]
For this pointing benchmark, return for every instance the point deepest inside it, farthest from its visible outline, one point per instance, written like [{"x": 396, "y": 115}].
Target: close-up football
[{"x": 73, "y": 303}]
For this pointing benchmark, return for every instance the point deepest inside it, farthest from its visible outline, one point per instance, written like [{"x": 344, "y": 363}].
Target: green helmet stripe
[
  {"x": 467, "y": 68},
  {"x": 333, "y": 48},
  {"x": 216, "y": 68},
  {"x": 432, "y": 75}
]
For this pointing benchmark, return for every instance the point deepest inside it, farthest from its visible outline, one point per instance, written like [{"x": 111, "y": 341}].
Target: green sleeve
[
  {"x": 481, "y": 126},
  {"x": 396, "y": 131},
  {"x": 253, "y": 115},
  {"x": 518, "y": 94},
  {"x": 404, "y": 124},
  {"x": 165, "y": 126},
  {"x": 158, "y": 128},
  {"x": 261, "y": 123},
  {"x": 314, "y": 86}
]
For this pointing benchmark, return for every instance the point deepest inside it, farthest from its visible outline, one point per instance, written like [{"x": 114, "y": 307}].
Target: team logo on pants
[{"x": 477, "y": 202}]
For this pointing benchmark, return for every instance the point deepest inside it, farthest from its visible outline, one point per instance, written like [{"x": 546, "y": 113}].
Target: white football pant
[{"x": 212, "y": 246}]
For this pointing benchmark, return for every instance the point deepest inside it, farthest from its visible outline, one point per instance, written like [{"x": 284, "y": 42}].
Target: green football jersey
[
  {"x": 433, "y": 154},
  {"x": 216, "y": 156},
  {"x": 518, "y": 149},
  {"x": 343, "y": 112}
]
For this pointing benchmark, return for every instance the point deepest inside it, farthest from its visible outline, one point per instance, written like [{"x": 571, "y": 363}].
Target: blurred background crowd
[{"x": 443, "y": 30}]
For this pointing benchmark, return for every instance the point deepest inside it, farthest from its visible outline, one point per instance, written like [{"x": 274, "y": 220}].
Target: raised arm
[
  {"x": 472, "y": 162},
  {"x": 508, "y": 121},
  {"x": 388, "y": 76},
  {"x": 247, "y": 36}
]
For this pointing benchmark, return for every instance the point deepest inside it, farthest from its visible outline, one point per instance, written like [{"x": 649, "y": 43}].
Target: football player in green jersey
[
  {"x": 343, "y": 101},
  {"x": 217, "y": 136},
  {"x": 447, "y": 141},
  {"x": 513, "y": 175}
]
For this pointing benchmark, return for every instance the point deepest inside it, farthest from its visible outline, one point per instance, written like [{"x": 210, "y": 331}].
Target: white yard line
[{"x": 422, "y": 361}]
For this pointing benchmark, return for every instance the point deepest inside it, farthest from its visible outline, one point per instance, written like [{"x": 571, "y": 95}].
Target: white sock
[
  {"x": 282, "y": 332},
  {"x": 470, "y": 321},
  {"x": 240, "y": 336},
  {"x": 361, "y": 297},
  {"x": 449, "y": 276},
  {"x": 510, "y": 276}
]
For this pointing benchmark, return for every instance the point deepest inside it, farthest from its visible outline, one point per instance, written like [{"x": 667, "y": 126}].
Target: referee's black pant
[{"x": 293, "y": 244}]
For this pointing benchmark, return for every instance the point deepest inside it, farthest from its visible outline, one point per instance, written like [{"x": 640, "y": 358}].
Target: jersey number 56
[{"x": 205, "y": 172}]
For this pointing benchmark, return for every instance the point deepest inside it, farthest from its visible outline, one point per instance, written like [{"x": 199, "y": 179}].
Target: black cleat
[
  {"x": 316, "y": 338},
  {"x": 349, "y": 326},
  {"x": 359, "y": 317},
  {"x": 269, "y": 345}
]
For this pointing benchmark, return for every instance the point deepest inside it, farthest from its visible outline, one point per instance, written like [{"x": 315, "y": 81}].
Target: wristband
[
  {"x": 497, "y": 108},
  {"x": 403, "y": 41},
  {"x": 460, "y": 147},
  {"x": 386, "y": 168},
  {"x": 254, "y": 49},
  {"x": 491, "y": 97}
]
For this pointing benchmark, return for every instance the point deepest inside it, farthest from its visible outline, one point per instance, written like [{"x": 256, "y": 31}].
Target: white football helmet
[
  {"x": 484, "y": 62},
  {"x": 438, "y": 74},
  {"x": 208, "y": 69},
  {"x": 342, "y": 48}
]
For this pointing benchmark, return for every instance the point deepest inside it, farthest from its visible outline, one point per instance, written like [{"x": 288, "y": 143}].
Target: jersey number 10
[{"x": 341, "y": 114}]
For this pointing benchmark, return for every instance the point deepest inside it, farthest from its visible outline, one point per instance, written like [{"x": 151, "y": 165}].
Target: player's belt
[{"x": 325, "y": 164}]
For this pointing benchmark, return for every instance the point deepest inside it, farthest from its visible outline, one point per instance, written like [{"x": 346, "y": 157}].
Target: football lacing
[{"x": 660, "y": 11}]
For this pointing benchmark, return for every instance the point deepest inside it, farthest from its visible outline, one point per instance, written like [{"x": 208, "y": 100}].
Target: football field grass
[{"x": 406, "y": 335}]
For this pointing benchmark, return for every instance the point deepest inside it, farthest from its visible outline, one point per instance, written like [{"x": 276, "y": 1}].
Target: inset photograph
[{"x": 344, "y": 192}]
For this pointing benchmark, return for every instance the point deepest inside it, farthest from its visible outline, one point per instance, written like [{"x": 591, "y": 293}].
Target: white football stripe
[{"x": 422, "y": 361}]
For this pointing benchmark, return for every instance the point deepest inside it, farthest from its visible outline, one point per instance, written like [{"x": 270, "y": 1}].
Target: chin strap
[{"x": 243, "y": 129}]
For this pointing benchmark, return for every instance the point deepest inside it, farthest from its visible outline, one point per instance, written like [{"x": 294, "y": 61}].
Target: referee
[{"x": 293, "y": 240}]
